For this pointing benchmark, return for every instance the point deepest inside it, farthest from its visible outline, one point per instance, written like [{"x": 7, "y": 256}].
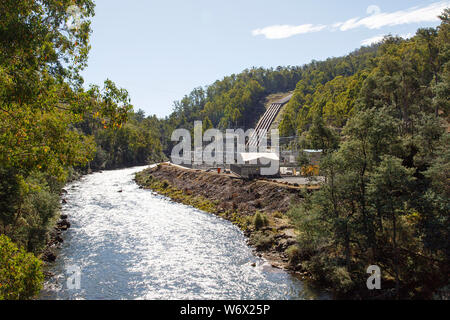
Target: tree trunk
[
  {"x": 347, "y": 247},
  {"x": 394, "y": 240}
]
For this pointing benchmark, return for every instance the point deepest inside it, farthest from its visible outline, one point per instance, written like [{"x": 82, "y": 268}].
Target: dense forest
[
  {"x": 385, "y": 140},
  {"x": 379, "y": 115}
]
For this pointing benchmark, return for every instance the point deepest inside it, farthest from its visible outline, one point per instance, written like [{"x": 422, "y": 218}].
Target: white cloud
[
  {"x": 407, "y": 35},
  {"x": 380, "y": 19},
  {"x": 379, "y": 38},
  {"x": 286, "y": 31},
  {"x": 370, "y": 41},
  {"x": 376, "y": 20}
]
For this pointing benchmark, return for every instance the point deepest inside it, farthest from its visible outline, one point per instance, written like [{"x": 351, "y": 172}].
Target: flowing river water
[{"x": 130, "y": 243}]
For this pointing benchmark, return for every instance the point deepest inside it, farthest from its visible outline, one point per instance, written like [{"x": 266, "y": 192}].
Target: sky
[{"x": 160, "y": 50}]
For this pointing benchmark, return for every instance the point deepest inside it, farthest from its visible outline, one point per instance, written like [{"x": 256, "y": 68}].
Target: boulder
[
  {"x": 63, "y": 224},
  {"x": 49, "y": 256}
]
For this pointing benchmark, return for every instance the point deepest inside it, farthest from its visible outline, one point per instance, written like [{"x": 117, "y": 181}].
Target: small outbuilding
[{"x": 253, "y": 163}]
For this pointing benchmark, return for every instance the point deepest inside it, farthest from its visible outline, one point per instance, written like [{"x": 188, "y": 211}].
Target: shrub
[
  {"x": 278, "y": 215},
  {"x": 293, "y": 253},
  {"x": 38, "y": 200},
  {"x": 241, "y": 220},
  {"x": 342, "y": 281},
  {"x": 20, "y": 272},
  {"x": 262, "y": 240},
  {"x": 9, "y": 196},
  {"x": 39, "y": 210},
  {"x": 165, "y": 184},
  {"x": 260, "y": 220}
]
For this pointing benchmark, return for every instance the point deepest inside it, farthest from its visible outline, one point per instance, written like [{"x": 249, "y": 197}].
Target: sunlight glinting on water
[{"x": 135, "y": 244}]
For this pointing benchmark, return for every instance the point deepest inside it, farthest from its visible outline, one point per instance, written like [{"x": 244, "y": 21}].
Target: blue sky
[{"x": 160, "y": 50}]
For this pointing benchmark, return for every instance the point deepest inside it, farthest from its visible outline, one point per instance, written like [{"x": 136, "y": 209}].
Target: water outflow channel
[{"x": 129, "y": 243}]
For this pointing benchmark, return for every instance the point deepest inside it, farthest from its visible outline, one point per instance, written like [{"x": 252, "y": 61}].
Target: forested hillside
[
  {"x": 233, "y": 102},
  {"x": 385, "y": 201}
]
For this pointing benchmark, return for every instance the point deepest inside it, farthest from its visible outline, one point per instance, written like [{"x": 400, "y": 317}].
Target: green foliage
[
  {"x": 313, "y": 229},
  {"x": 435, "y": 206},
  {"x": 342, "y": 280},
  {"x": 242, "y": 221},
  {"x": 278, "y": 215},
  {"x": 135, "y": 143},
  {"x": 293, "y": 253},
  {"x": 207, "y": 124},
  {"x": 329, "y": 89},
  {"x": 235, "y": 101},
  {"x": 20, "y": 272},
  {"x": 34, "y": 36},
  {"x": 37, "y": 214},
  {"x": 260, "y": 220},
  {"x": 385, "y": 197},
  {"x": 42, "y": 107},
  {"x": 320, "y": 137},
  {"x": 262, "y": 240}
]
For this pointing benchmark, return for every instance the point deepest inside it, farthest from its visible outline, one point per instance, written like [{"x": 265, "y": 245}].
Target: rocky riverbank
[
  {"x": 257, "y": 207},
  {"x": 55, "y": 240},
  {"x": 55, "y": 237}
]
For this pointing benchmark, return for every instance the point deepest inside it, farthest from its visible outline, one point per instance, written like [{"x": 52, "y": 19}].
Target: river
[{"x": 130, "y": 243}]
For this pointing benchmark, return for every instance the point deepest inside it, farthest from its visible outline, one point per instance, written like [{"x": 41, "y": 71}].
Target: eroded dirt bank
[{"x": 236, "y": 200}]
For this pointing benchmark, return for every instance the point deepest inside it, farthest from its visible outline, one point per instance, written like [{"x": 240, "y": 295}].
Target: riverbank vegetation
[
  {"x": 52, "y": 126},
  {"x": 20, "y": 272}
]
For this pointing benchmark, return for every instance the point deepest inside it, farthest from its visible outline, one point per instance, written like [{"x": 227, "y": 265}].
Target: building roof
[{"x": 251, "y": 156}]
